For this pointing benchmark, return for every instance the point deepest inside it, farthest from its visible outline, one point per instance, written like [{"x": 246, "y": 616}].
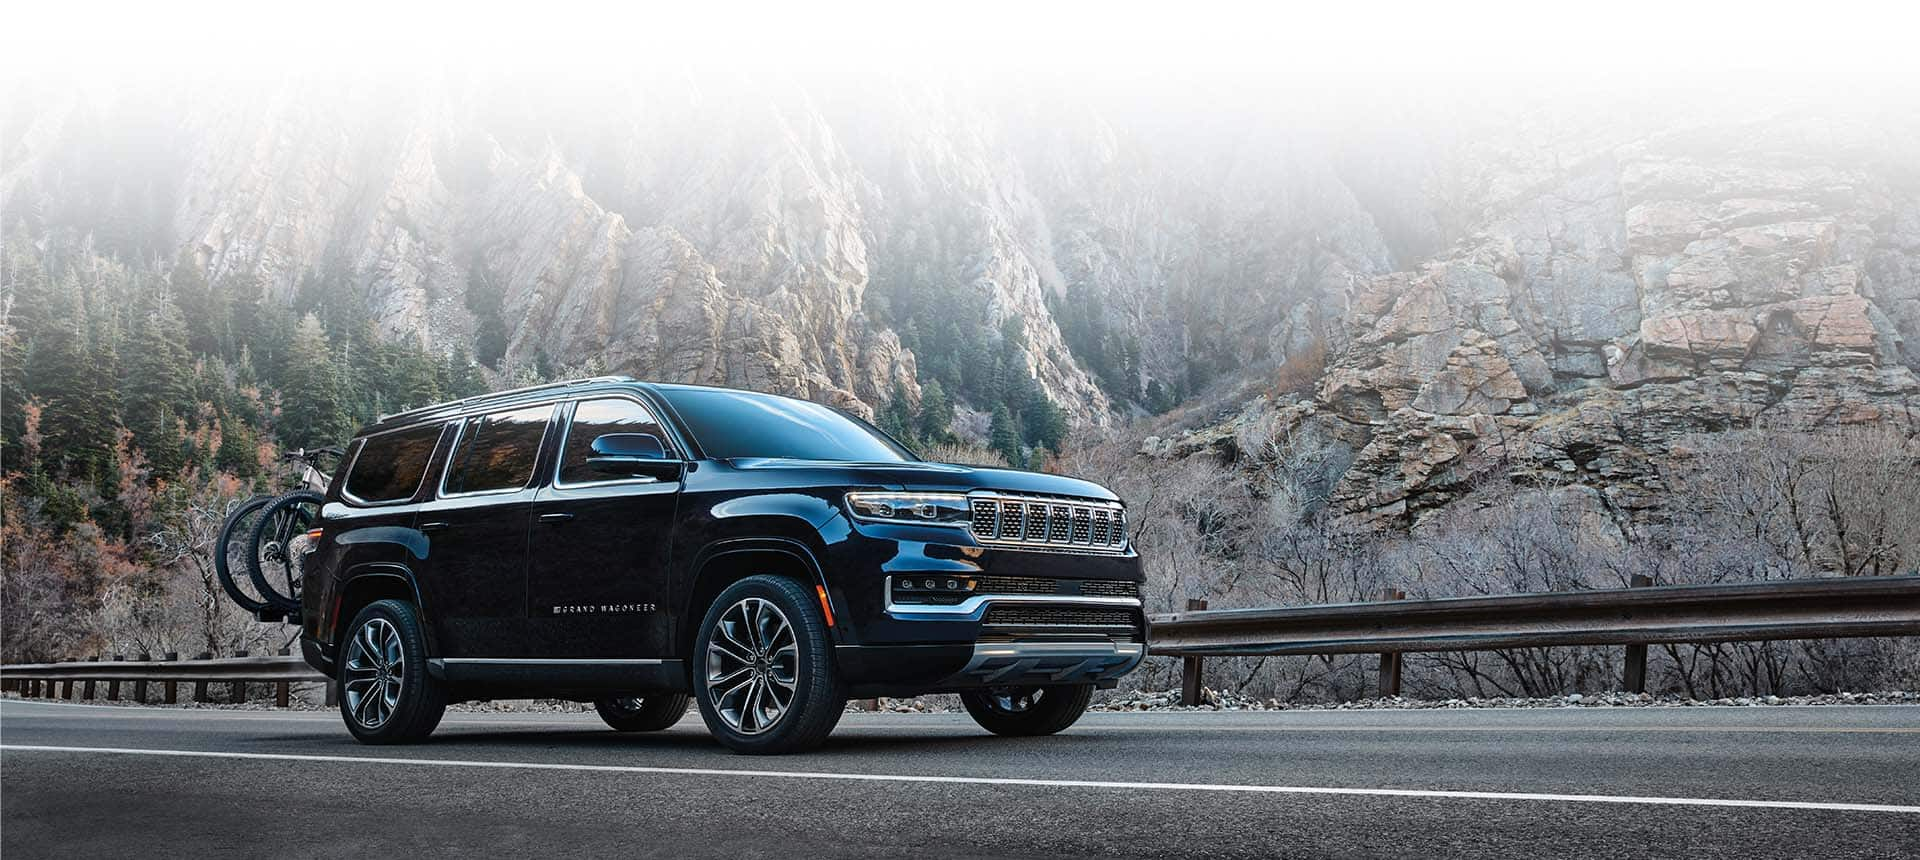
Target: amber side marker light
[
  {"x": 824, "y": 606},
  {"x": 314, "y": 534}
]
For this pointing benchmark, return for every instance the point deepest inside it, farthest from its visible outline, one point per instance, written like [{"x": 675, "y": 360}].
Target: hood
[{"x": 935, "y": 476}]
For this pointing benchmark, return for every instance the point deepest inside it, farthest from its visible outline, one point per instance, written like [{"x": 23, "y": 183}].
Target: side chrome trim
[
  {"x": 492, "y": 661},
  {"x": 973, "y": 608}
]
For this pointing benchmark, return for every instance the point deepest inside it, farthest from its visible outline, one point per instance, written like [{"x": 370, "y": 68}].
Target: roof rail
[{"x": 499, "y": 394}]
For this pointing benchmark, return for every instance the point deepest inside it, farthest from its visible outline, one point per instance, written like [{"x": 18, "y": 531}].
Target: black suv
[{"x": 633, "y": 544}]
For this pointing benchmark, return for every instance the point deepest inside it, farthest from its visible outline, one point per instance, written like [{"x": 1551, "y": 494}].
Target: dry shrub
[{"x": 1301, "y": 371}]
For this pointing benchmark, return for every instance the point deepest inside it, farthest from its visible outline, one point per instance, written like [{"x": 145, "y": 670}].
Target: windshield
[{"x": 736, "y": 424}]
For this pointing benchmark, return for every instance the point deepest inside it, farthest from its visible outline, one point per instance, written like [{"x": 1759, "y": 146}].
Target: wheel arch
[
  {"x": 373, "y": 582},
  {"x": 725, "y": 562}
]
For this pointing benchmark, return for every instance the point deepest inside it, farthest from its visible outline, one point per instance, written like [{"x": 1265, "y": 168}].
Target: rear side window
[
  {"x": 497, "y": 452},
  {"x": 592, "y": 418},
  {"x": 390, "y": 465}
]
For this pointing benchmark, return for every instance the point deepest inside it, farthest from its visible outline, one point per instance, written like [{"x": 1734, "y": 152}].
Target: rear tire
[
  {"x": 1027, "y": 711},
  {"x": 386, "y": 695},
  {"x": 763, "y": 669},
  {"x": 279, "y": 538},
  {"x": 643, "y": 713},
  {"x": 235, "y": 544}
]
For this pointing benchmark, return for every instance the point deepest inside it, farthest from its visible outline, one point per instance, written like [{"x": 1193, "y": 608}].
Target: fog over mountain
[{"x": 1450, "y": 288}]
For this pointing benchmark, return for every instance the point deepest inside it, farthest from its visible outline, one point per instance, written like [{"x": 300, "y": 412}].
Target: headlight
[{"x": 926, "y": 509}]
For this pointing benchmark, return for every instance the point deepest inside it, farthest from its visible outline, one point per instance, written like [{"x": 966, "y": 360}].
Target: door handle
[
  {"x": 432, "y": 527},
  {"x": 555, "y": 518}
]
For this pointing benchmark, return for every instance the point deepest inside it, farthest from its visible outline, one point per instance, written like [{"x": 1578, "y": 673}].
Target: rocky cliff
[
  {"x": 1554, "y": 293},
  {"x": 1695, "y": 279}
]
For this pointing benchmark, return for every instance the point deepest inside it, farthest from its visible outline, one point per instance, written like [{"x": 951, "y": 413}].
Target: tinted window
[
  {"x": 389, "y": 466},
  {"x": 593, "y": 418},
  {"x": 730, "y": 424},
  {"x": 497, "y": 452}
]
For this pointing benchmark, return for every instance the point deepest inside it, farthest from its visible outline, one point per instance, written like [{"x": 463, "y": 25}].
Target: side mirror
[{"x": 633, "y": 454}]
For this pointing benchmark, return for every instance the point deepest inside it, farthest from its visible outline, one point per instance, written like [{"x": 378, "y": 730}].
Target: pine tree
[
  {"x": 1004, "y": 437},
  {"x": 159, "y": 382},
  {"x": 208, "y": 315},
  {"x": 896, "y": 418},
  {"x": 236, "y": 455},
  {"x": 460, "y": 376},
  {"x": 165, "y": 446},
  {"x": 1046, "y": 424},
  {"x": 60, "y": 370},
  {"x": 313, "y": 410},
  {"x": 936, "y": 413}
]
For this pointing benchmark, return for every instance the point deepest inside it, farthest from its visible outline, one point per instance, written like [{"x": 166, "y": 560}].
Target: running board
[{"x": 610, "y": 674}]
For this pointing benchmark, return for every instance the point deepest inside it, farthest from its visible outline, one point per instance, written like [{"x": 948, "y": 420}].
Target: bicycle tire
[
  {"x": 279, "y": 524},
  {"x": 238, "y": 527}
]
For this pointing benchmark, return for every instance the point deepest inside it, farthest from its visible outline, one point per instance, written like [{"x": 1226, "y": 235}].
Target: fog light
[{"x": 935, "y": 592}]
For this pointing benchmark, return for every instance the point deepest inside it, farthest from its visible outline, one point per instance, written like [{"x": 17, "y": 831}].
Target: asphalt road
[{"x": 103, "y": 781}]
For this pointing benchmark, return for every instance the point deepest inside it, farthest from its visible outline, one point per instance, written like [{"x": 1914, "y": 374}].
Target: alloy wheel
[
  {"x": 752, "y": 666},
  {"x": 374, "y": 673}
]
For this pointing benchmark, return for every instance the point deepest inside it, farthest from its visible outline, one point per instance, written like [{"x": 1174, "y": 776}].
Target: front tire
[
  {"x": 763, "y": 669},
  {"x": 643, "y": 713},
  {"x": 386, "y": 696},
  {"x": 1027, "y": 711}
]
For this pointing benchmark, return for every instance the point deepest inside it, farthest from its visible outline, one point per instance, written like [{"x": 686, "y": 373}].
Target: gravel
[
  {"x": 1169, "y": 700},
  {"x": 1219, "y": 700}
]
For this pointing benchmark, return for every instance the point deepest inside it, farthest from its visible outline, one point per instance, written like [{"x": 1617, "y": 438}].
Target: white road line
[
  {"x": 859, "y": 722},
  {"x": 993, "y": 780}
]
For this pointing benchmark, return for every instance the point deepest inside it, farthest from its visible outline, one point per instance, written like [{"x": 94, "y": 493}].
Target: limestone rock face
[{"x": 1683, "y": 283}]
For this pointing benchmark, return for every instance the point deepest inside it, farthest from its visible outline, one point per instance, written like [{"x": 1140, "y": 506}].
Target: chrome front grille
[
  {"x": 1067, "y": 525},
  {"x": 1059, "y": 616},
  {"x": 1016, "y": 585},
  {"x": 1110, "y": 588}
]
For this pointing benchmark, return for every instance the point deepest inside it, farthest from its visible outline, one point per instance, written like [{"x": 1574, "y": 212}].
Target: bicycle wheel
[
  {"x": 277, "y": 551},
  {"x": 236, "y": 538}
]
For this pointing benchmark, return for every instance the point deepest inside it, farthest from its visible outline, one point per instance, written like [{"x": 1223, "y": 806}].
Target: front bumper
[
  {"x": 909, "y": 670},
  {"x": 1041, "y": 663}
]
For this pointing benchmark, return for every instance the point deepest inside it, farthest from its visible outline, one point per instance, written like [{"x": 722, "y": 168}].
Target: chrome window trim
[
  {"x": 560, "y": 451},
  {"x": 460, "y": 433}
]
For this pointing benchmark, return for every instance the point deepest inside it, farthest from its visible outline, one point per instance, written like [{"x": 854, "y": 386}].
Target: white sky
[{"x": 1650, "y": 44}]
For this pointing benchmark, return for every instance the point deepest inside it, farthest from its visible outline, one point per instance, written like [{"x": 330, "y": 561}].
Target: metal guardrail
[
  {"x": 1635, "y": 617},
  {"x": 59, "y": 680}
]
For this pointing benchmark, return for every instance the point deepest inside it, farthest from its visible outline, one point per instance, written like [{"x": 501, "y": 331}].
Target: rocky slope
[
  {"x": 1533, "y": 293},
  {"x": 1692, "y": 280}
]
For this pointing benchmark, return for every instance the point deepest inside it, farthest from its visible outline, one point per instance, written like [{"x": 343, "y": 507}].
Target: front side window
[
  {"x": 594, "y": 418},
  {"x": 390, "y": 465},
  {"x": 736, "y": 424},
  {"x": 498, "y": 451}
]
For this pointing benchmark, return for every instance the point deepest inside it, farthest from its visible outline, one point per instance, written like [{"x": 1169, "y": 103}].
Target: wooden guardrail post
[
  {"x": 238, "y": 693},
  {"x": 66, "y": 688},
  {"x": 200, "y": 687},
  {"x": 113, "y": 686},
  {"x": 1390, "y": 661},
  {"x": 280, "y": 688},
  {"x": 1191, "y": 668},
  {"x": 87, "y": 695},
  {"x": 1635, "y": 671},
  {"x": 140, "y": 686},
  {"x": 173, "y": 687}
]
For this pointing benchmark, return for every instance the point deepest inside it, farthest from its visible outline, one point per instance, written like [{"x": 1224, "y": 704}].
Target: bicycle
[{"x": 266, "y": 534}]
